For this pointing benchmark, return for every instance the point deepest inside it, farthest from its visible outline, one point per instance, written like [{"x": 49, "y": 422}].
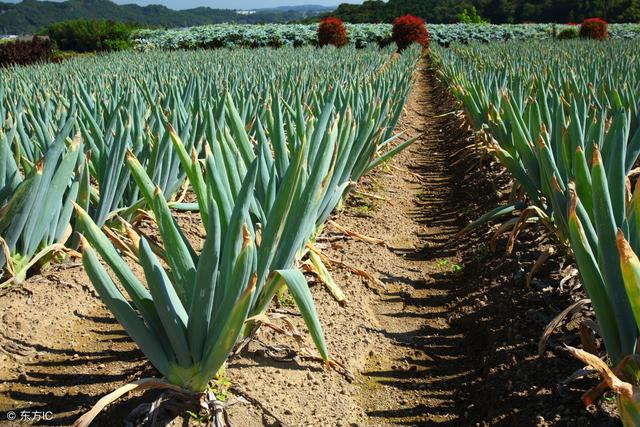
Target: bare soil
[{"x": 450, "y": 337}]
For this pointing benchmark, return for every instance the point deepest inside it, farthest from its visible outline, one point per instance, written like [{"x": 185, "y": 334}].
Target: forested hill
[
  {"x": 496, "y": 11},
  {"x": 29, "y": 16}
]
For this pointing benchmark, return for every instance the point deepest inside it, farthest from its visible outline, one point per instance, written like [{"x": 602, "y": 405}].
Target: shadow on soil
[{"x": 485, "y": 355}]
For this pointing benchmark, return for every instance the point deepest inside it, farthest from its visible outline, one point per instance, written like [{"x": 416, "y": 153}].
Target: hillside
[
  {"x": 31, "y": 15},
  {"x": 496, "y": 11}
]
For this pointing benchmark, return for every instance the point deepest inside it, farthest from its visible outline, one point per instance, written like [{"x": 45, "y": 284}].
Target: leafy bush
[
  {"x": 82, "y": 35},
  {"x": 24, "y": 52},
  {"x": 409, "y": 29},
  {"x": 471, "y": 16},
  {"x": 568, "y": 34},
  {"x": 332, "y": 31},
  {"x": 594, "y": 28}
]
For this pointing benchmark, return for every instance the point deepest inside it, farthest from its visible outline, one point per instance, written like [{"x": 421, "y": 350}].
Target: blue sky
[{"x": 228, "y": 4}]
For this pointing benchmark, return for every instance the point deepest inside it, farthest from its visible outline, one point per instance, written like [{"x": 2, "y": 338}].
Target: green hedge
[{"x": 82, "y": 35}]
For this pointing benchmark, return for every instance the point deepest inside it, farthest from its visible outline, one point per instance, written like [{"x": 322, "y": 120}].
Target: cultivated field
[{"x": 270, "y": 233}]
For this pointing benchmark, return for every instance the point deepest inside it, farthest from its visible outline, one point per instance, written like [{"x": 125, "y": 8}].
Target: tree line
[
  {"x": 30, "y": 16},
  {"x": 494, "y": 11}
]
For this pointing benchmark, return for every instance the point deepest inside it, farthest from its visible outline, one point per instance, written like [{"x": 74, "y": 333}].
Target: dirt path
[{"x": 416, "y": 380}]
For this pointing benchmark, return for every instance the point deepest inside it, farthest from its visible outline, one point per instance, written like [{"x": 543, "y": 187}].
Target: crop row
[
  {"x": 277, "y": 35},
  {"x": 564, "y": 119},
  {"x": 268, "y": 144}
]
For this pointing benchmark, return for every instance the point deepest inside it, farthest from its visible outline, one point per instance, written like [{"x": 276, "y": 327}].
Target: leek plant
[
  {"x": 190, "y": 317},
  {"x": 325, "y": 154},
  {"x": 36, "y": 209},
  {"x": 123, "y": 100},
  {"x": 133, "y": 122},
  {"x": 286, "y": 216},
  {"x": 568, "y": 130},
  {"x": 270, "y": 145}
]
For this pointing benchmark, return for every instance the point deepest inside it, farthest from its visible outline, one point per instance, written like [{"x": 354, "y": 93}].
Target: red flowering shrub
[
  {"x": 332, "y": 31},
  {"x": 594, "y": 28},
  {"x": 573, "y": 24},
  {"x": 410, "y": 29}
]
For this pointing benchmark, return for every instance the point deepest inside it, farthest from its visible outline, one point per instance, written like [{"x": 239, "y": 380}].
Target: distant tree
[
  {"x": 471, "y": 16},
  {"x": 496, "y": 11},
  {"x": 29, "y": 16}
]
